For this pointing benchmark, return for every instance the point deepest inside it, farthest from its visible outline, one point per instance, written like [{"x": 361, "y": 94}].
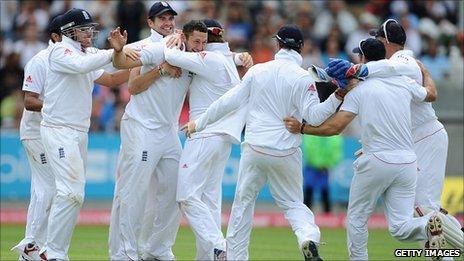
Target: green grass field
[{"x": 90, "y": 243}]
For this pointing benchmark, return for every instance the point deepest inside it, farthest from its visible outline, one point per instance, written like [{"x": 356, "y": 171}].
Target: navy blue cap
[
  {"x": 76, "y": 17},
  {"x": 55, "y": 25},
  {"x": 290, "y": 36},
  {"x": 372, "y": 49},
  {"x": 214, "y": 27},
  {"x": 392, "y": 31},
  {"x": 160, "y": 8}
]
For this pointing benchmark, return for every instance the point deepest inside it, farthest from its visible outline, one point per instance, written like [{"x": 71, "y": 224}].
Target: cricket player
[
  {"x": 161, "y": 23},
  {"x": 270, "y": 153},
  {"x": 203, "y": 160},
  {"x": 42, "y": 181},
  {"x": 388, "y": 165},
  {"x": 67, "y": 103},
  {"x": 429, "y": 135}
]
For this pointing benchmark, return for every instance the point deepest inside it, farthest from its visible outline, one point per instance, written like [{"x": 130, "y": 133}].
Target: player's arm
[
  {"x": 307, "y": 99},
  {"x": 113, "y": 80},
  {"x": 33, "y": 83},
  {"x": 332, "y": 126},
  {"x": 64, "y": 60},
  {"x": 227, "y": 103},
  {"x": 32, "y": 101},
  {"x": 390, "y": 67},
  {"x": 201, "y": 63},
  {"x": 428, "y": 83}
]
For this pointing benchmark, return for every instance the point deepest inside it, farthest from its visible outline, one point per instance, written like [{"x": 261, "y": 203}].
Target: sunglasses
[{"x": 384, "y": 27}]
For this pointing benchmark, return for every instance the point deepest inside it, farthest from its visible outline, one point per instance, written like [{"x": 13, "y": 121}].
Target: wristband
[
  {"x": 161, "y": 70},
  {"x": 302, "y": 127}
]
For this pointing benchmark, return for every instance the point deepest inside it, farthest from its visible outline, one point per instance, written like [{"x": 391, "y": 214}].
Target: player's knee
[
  {"x": 73, "y": 197},
  {"x": 397, "y": 232}
]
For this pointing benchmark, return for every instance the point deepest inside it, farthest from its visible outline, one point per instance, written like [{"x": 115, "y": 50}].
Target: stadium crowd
[{"x": 331, "y": 29}]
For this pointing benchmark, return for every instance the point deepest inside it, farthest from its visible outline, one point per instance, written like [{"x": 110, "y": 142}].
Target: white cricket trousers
[
  {"x": 66, "y": 150},
  {"x": 42, "y": 193},
  {"x": 431, "y": 160},
  {"x": 145, "y": 154},
  {"x": 396, "y": 183},
  {"x": 283, "y": 171},
  {"x": 199, "y": 189}
]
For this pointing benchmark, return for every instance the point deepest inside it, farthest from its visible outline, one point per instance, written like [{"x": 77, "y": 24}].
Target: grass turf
[{"x": 90, "y": 243}]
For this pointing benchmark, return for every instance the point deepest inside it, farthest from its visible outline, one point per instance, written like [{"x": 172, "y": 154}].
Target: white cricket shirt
[
  {"x": 383, "y": 109},
  {"x": 272, "y": 91},
  {"x": 161, "y": 104},
  {"x": 69, "y": 84},
  {"x": 423, "y": 116},
  {"x": 214, "y": 74},
  {"x": 34, "y": 81}
]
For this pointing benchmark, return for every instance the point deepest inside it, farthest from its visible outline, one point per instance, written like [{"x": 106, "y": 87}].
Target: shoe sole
[{"x": 308, "y": 255}]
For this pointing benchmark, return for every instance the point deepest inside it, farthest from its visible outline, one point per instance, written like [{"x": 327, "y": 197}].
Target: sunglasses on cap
[
  {"x": 384, "y": 28},
  {"x": 360, "y": 46},
  {"x": 216, "y": 30}
]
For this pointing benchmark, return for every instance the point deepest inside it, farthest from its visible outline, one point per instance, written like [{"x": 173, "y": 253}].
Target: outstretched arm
[
  {"x": 113, "y": 80},
  {"x": 332, "y": 126}
]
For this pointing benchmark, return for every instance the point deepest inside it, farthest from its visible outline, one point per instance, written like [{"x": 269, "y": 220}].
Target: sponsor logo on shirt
[
  {"x": 312, "y": 87},
  {"x": 43, "y": 159},
  {"x": 185, "y": 166},
  {"x": 61, "y": 153},
  {"x": 29, "y": 79},
  {"x": 144, "y": 155},
  {"x": 202, "y": 55}
]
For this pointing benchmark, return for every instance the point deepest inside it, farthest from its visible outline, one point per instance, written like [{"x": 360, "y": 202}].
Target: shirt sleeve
[
  {"x": 65, "y": 60},
  {"x": 227, "y": 103},
  {"x": 152, "y": 54},
  {"x": 34, "y": 75},
  {"x": 419, "y": 93},
  {"x": 202, "y": 63},
  {"x": 314, "y": 112},
  {"x": 351, "y": 101},
  {"x": 402, "y": 65}
]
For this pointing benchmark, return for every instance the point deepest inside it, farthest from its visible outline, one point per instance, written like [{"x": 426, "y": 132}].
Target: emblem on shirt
[
  {"x": 184, "y": 166},
  {"x": 29, "y": 79},
  {"x": 67, "y": 52},
  {"x": 61, "y": 153},
  {"x": 312, "y": 87}
]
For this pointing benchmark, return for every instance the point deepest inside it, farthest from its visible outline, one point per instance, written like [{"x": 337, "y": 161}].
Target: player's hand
[
  {"x": 175, "y": 40},
  {"x": 173, "y": 71},
  {"x": 337, "y": 68},
  {"x": 131, "y": 53},
  {"x": 189, "y": 128},
  {"x": 117, "y": 40},
  {"x": 246, "y": 59},
  {"x": 319, "y": 74},
  {"x": 340, "y": 93},
  {"x": 292, "y": 125}
]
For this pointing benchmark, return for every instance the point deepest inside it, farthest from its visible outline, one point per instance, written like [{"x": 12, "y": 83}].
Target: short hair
[{"x": 194, "y": 25}]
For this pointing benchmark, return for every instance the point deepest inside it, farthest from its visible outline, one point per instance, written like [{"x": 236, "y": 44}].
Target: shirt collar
[
  {"x": 404, "y": 51},
  {"x": 155, "y": 36},
  {"x": 71, "y": 42},
  {"x": 288, "y": 54},
  {"x": 221, "y": 47}
]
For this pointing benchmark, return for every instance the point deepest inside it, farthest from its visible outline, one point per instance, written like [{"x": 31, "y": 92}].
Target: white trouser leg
[
  {"x": 42, "y": 193},
  {"x": 286, "y": 186},
  {"x": 148, "y": 217},
  {"x": 67, "y": 152},
  {"x": 250, "y": 181},
  {"x": 399, "y": 205},
  {"x": 431, "y": 160},
  {"x": 167, "y": 212},
  {"x": 140, "y": 152},
  {"x": 366, "y": 187},
  {"x": 197, "y": 164}
]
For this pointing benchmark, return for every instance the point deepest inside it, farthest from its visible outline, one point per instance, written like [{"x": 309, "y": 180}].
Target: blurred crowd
[{"x": 331, "y": 28}]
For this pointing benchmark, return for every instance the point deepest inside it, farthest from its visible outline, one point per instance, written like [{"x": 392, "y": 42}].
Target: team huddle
[{"x": 404, "y": 146}]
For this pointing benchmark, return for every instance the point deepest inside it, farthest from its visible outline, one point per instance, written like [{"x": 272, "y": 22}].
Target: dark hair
[
  {"x": 194, "y": 25},
  {"x": 296, "y": 49}
]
